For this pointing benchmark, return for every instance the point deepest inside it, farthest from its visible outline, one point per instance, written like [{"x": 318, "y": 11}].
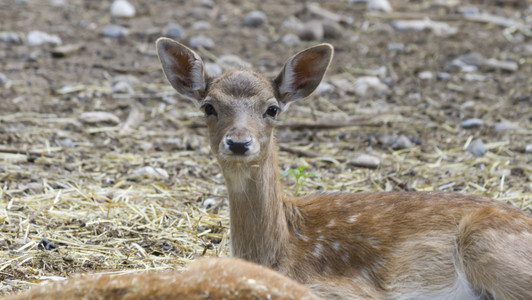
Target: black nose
[{"x": 238, "y": 147}]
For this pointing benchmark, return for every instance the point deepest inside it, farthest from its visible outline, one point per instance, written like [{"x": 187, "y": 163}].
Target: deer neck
[{"x": 259, "y": 230}]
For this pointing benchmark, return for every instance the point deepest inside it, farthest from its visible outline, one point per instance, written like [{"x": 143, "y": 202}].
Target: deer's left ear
[{"x": 302, "y": 73}]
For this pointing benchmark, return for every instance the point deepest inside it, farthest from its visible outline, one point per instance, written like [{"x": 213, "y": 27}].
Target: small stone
[
  {"x": 293, "y": 23},
  {"x": 332, "y": 29},
  {"x": 122, "y": 87},
  {"x": 10, "y": 37},
  {"x": 213, "y": 69},
  {"x": 528, "y": 148},
  {"x": 510, "y": 66},
  {"x": 366, "y": 83},
  {"x": 291, "y": 39},
  {"x": 504, "y": 126},
  {"x": 174, "y": 31},
  {"x": 476, "y": 148},
  {"x": 255, "y": 18},
  {"x": 233, "y": 62},
  {"x": 201, "y": 25},
  {"x": 98, "y": 117},
  {"x": 474, "y": 77},
  {"x": 208, "y": 203},
  {"x": 365, "y": 161},
  {"x": 396, "y": 142},
  {"x": 312, "y": 31},
  {"x": 324, "y": 88},
  {"x": 36, "y": 38},
  {"x": 208, "y": 3},
  {"x": 473, "y": 122},
  {"x": 379, "y": 5},
  {"x": 172, "y": 144},
  {"x": 396, "y": 47},
  {"x": 33, "y": 187},
  {"x": 474, "y": 59},
  {"x": 438, "y": 28},
  {"x": 3, "y": 79},
  {"x": 150, "y": 171},
  {"x": 402, "y": 142},
  {"x": 425, "y": 75},
  {"x": 122, "y": 9},
  {"x": 444, "y": 76},
  {"x": 201, "y": 41},
  {"x": 112, "y": 30},
  {"x": 66, "y": 50}
]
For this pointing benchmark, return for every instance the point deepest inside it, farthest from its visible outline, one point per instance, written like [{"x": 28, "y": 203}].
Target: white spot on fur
[
  {"x": 301, "y": 236},
  {"x": 331, "y": 223},
  {"x": 321, "y": 238},
  {"x": 318, "y": 249},
  {"x": 345, "y": 257},
  {"x": 353, "y": 218},
  {"x": 336, "y": 245}
]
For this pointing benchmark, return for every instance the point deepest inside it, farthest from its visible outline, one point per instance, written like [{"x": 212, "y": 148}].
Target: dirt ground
[{"x": 83, "y": 187}]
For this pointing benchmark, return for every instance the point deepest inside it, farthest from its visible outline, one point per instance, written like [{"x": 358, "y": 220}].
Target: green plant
[{"x": 300, "y": 175}]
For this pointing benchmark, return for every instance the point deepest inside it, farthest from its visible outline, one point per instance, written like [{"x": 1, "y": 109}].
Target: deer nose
[{"x": 238, "y": 147}]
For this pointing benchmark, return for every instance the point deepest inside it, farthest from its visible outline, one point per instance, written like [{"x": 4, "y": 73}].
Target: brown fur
[
  {"x": 224, "y": 278},
  {"x": 397, "y": 245}
]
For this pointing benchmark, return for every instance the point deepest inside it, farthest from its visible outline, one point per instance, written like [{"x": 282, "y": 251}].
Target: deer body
[{"x": 348, "y": 246}]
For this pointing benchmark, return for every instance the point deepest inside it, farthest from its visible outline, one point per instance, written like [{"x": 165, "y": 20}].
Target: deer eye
[
  {"x": 272, "y": 111},
  {"x": 208, "y": 109}
]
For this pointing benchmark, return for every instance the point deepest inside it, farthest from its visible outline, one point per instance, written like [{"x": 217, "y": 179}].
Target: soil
[{"x": 76, "y": 183}]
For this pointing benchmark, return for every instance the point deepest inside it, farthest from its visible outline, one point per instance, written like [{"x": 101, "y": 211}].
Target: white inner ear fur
[
  {"x": 197, "y": 73},
  {"x": 286, "y": 86}
]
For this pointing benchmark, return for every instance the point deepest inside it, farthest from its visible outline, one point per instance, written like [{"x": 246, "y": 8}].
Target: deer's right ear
[{"x": 183, "y": 68}]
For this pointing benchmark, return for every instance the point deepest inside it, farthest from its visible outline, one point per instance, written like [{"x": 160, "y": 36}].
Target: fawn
[
  {"x": 223, "y": 278},
  {"x": 396, "y": 245}
]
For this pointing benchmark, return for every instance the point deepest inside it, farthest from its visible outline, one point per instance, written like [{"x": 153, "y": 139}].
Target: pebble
[
  {"x": 476, "y": 148},
  {"x": 290, "y": 39},
  {"x": 528, "y": 148},
  {"x": 3, "y": 79},
  {"x": 474, "y": 77},
  {"x": 112, "y": 30},
  {"x": 208, "y": 203},
  {"x": 201, "y": 25},
  {"x": 213, "y": 69},
  {"x": 151, "y": 172},
  {"x": 122, "y": 87},
  {"x": 332, "y": 29},
  {"x": 36, "y": 38},
  {"x": 172, "y": 144},
  {"x": 311, "y": 31},
  {"x": 366, "y": 83},
  {"x": 255, "y": 18},
  {"x": 379, "y": 5},
  {"x": 33, "y": 187},
  {"x": 396, "y": 142},
  {"x": 99, "y": 117},
  {"x": 510, "y": 66},
  {"x": 438, "y": 28},
  {"x": 396, "y": 47},
  {"x": 122, "y": 9},
  {"x": 10, "y": 37},
  {"x": 324, "y": 87},
  {"x": 473, "y": 122},
  {"x": 365, "y": 161},
  {"x": 233, "y": 62},
  {"x": 174, "y": 31},
  {"x": 504, "y": 126},
  {"x": 425, "y": 75},
  {"x": 293, "y": 23},
  {"x": 201, "y": 41},
  {"x": 444, "y": 76}
]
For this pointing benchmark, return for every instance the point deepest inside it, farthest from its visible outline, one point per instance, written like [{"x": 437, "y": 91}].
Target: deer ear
[
  {"x": 183, "y": 68},
  {"x": 302, "y": 73}
]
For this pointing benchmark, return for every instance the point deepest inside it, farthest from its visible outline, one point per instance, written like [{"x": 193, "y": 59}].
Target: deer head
[{"x": 241, "y": 106}]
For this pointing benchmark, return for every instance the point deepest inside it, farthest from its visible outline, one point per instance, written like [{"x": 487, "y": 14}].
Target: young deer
[
  {"x": 397, "y": 245},
  {"x": 224, "y": 278}
]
